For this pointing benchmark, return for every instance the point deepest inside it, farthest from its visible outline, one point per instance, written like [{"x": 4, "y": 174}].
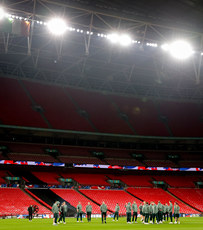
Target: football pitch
[{"x": 71, "y": 224}]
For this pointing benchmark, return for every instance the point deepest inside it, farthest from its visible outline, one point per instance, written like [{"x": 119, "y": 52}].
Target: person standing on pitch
[
  {"x": 146, "y": 212},
  {"x": 150, "y": 212},
  {"x": 176, "y": 213},
  {"x": 55, "y": 210},
  {"x": 166, "y": 205},
  {"x": 141, "y": 213},
  {"x": 103, "y": 209},
  {"x": 134, "y": 208},
  {"x": 160, "y": 212},
  {"x": 164, "y": 212},
  {"x": 79, "y": 212},
  {"x": 89, "y": 212},
  {"x": 30, "y": 212},
  {"x": 128, "y": 212},
  {"x": 63, "y": 210},
  {"x": 116, "y": 214},
  {"x": 170, "y": 211},
  {"x": 155, "y": 213}
]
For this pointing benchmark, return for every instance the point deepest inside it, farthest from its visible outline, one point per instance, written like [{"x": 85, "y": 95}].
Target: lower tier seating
[
  {"x": 14, "y": 201},
  {"x": 194, "y": 197},
  {"x": 111, "y": 197},
  {"x": 73, "y": 197},
  {"x": 158, "y": 194}
]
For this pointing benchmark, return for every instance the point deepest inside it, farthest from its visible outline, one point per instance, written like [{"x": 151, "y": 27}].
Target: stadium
[{"x": 101, "y": 104}]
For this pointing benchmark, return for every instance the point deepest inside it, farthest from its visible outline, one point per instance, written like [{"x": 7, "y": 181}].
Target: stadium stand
[
  {"x": 178, "y": 181},
  {"x": 80, "y": 160},
  {"x": 192, "y": 197},
  {"x": 47, "y": 177},
  {"x": 88, "y": 179},
  {"x": 183, "y": 118},
  {"x": 17, "y": 202},
  {"x": 134, "y": 180},
  {"x": 73, "y": 197},
  {"x": 58, "y": 109},
  {"x": 31, "y": 157},
  {"x": 111, "y": 197},
  {"x": 17, "y": 108},
  {"x": 2, "y": 175},
  {"x": 142, "y": 115},
  {"x": 158, "y": 194},
  {"x": 110, "y": 122}
]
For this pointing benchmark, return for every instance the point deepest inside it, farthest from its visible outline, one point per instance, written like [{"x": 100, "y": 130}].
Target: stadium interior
[{"x": 87, "y": 118}]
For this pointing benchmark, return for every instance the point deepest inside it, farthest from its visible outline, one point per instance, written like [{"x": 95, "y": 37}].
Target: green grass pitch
[{"x": 71, "y": 224}]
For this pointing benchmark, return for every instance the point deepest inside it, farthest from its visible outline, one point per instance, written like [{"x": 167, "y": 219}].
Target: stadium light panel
[
  {"x": 57, "y": 26},
  {"x": 122, "y": 39},
  {"x": 2, "y": 13},
  {"x": 125, "y": 40},
  {"x": 180, "y": 49},
  {"x": 113, "y": 38}
]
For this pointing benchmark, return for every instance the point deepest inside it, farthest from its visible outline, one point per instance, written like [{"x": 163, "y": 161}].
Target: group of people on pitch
[
  {"x": 149, "y": 213},
  {"x": 152, "y": 213},
  {"x": 56, "y": 209}
]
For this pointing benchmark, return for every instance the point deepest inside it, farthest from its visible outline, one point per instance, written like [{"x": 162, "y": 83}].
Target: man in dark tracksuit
[
  {"x": 116, "y": 214},
  {"x": 134, "y": 208},
  {"x": 128, "y": 212},
  {"x": 79, "y": 212},
  {"x": 55, "y": 210},
  {"x": 170, "y": 211},
  {"x": 89, "y": 211},
  {"x": 164, "y": 212},
  {"x": 103, "y": 209},
  {"x": 160, "y": 212},
  {"x": 30, "y": 212},
  {"x": 63, "y": 210}
]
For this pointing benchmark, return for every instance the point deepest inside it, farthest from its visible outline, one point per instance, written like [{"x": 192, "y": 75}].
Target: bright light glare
[
  {"x": 114, "y": 38},
  {"x": 125, "y": 40},
  {"x": 57, "y": 26},
  {"x": 2, "y": 13},
  {"x": 165, "y": 47},
  {"x": 122, "y": 39},
  {"x": 180, "y": 50}
]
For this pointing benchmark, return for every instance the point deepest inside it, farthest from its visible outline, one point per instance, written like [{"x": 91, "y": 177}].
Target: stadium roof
[{"x": 91, "y": 62}]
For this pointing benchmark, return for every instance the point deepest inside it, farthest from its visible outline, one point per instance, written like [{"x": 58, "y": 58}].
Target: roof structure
[{"x": 82, "y": 59}]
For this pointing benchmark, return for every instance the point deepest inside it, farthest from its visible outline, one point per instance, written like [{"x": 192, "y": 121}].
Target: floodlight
[
  {"x": 165, "y": 47},
  {"x": 2, "y": 13},
  {"x": 180, "y": 50},
  {"x": 125, "y": 40},
  {"x": 57, "y": 26},
  {"x": 114, "y": 38}
]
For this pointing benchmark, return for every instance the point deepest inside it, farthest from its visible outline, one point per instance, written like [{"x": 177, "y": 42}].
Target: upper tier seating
[
  {"x": 142, "y": 115},
  {"x": 58, "y": 109},
  {"x": 193, "y": 197},
  {"x": 183, "y": 118},
  {"x": 101, "y": 111},
  {"x": 16, "y": 108},
  {"x": 73, "y": 197},
  {"x": 13, "y": 201},
  {"x": 158, "y": 194},
  {"x": 111, "y": 197}
]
